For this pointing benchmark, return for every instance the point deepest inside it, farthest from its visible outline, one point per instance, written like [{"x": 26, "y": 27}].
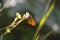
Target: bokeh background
[{"x": 24, "y": 31}]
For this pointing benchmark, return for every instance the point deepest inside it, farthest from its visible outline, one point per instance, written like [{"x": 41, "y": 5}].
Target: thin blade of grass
[{"x": 44, "y": 18}]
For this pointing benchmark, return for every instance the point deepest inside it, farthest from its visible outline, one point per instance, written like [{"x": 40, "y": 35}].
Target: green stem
[
  {"x": 2, "y": 35},
  {"x": 43, "y": 20},
  {"x": 46, "y": 35}
]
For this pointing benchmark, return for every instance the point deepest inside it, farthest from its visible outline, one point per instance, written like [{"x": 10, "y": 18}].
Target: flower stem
[{"x": 44, "y": 18}]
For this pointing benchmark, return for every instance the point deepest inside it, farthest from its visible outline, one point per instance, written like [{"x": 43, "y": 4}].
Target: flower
[
  {"x": 26, "y": 16},
  {"x": 8, "y": 30},
  {"x": 18, "y": 16}
]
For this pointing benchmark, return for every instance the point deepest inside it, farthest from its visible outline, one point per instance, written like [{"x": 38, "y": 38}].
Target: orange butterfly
[{"x": 31, "y": 21}]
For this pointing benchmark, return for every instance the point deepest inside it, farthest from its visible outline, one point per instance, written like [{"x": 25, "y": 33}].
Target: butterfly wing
[{"x": 31, "y": 21}]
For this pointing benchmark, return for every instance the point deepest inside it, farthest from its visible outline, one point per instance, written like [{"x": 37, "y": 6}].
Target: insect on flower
[{"x": 30, "y": 19}]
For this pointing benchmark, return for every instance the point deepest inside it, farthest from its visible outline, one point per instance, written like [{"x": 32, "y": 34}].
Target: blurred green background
[{"x": 24, "y": 31}]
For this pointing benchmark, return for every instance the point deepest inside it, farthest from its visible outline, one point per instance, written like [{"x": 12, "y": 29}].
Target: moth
[{"x": 31, "y": 21}]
